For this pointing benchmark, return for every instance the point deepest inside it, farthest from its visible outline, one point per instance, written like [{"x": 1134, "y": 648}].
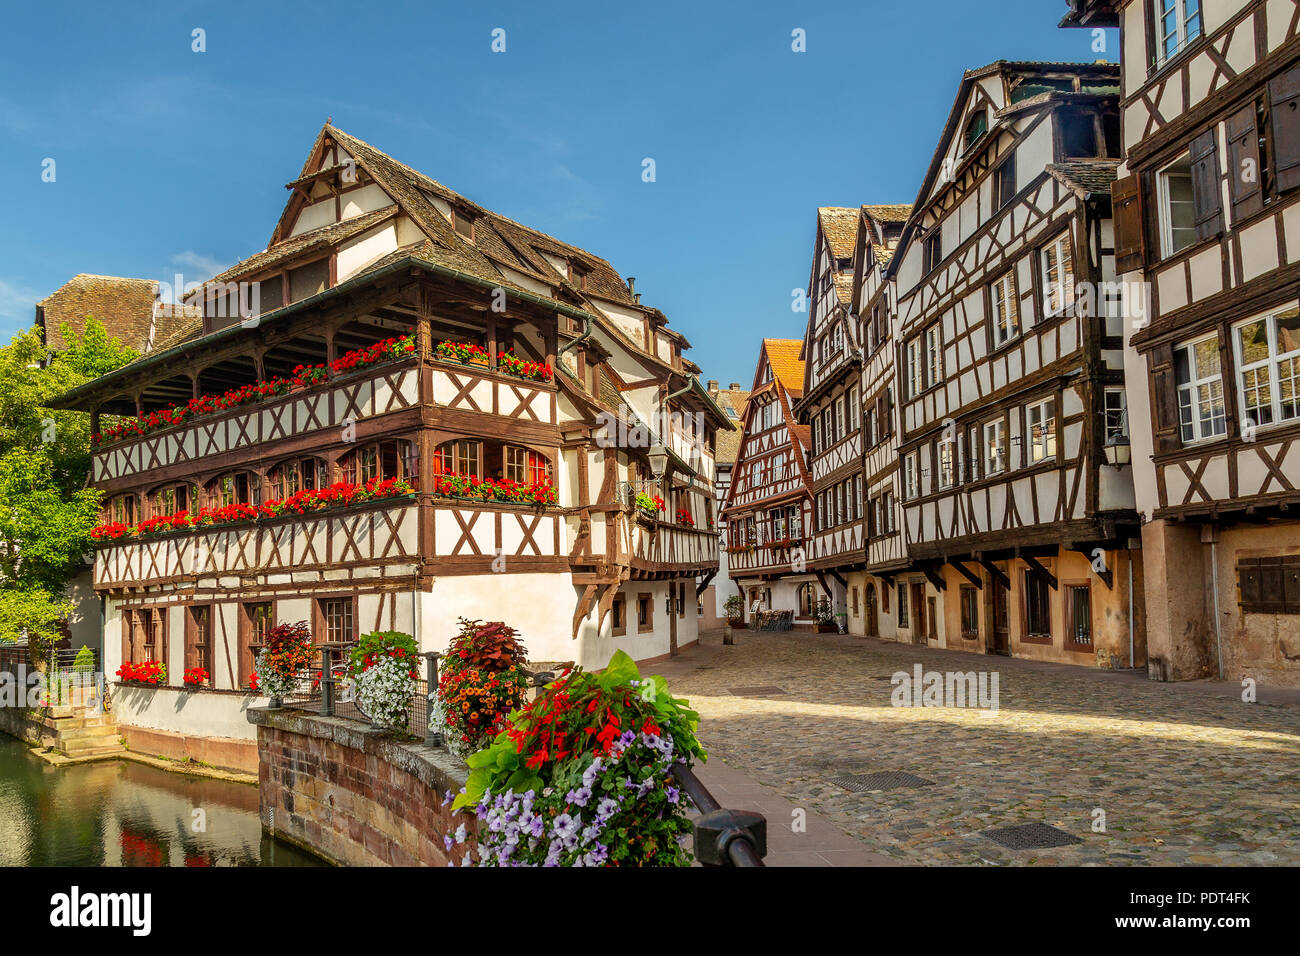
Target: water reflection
[{"x": 117, "y": 813}]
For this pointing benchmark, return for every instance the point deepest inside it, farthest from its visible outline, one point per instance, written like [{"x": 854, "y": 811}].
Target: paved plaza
[{"x": 1184, "y": 773}]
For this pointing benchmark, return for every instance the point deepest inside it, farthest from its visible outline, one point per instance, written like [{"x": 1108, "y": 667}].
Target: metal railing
[{"x": 722, "y": 837}]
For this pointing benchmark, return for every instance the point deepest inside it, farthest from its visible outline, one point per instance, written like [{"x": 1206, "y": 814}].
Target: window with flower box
[
  {"x": 234, "y": 488},
  {"x": 198, "y": 638},
  {"x": 525, "y": 465},
  {"x": 380, "y": 461},
  {"x": 121, "y": 509},
  {"x": 144, "y": 635},
  {"x": 170, "y": 499},
  {"x": 298, "y": 474},
  {"x": 459, "y": 457}
]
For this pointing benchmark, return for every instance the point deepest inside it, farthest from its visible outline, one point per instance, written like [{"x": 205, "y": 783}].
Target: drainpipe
[
  {"x": 1131, "y": 659},
  {"x": 586, "y": 334}
]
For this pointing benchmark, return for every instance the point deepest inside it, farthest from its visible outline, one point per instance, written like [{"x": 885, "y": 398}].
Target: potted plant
[
  {"x": 384, "y": 666},
  {"x": 583, "y": 776},
  {"x": 735, "y": 609},
  {"x": 648, "y": 504},
  {"x": 288, "y": 650},
  {"x": 482, "y": 679},
  {"x": 825, "y": 613},
  {"x": 153, "y": 673},
  {"x": 194, "y": 678}
]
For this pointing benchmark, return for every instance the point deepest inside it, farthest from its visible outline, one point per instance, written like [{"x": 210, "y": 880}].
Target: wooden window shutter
[
  {"x": 1284, "y": 116},
  {"x": 1207, "y": 198},
  {"x": 1164, "y": 398},
  {"x": 1243, "y": 164},
  {"x": 1126, "y": 203}
]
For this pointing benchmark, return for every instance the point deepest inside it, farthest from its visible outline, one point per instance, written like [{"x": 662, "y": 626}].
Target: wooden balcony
[{"x": 366, "y": 393}]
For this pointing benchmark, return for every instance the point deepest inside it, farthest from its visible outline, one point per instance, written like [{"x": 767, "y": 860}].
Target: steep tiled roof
[
  {"x": 889, "y": 212},
  {"x": 840, "y": 225},
  {"x": 787, "y": 367},
  {"x": 295, "y": 245},
  {"x": 728, "y": 443},
  {"x": 124, "y": 306},
  {"x": 1086, "y": 177}
]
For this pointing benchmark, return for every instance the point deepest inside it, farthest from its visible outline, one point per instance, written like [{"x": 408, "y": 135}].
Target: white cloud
[
  {"x": 17, "y": 305},
  {"x": 204, "y": 267}
]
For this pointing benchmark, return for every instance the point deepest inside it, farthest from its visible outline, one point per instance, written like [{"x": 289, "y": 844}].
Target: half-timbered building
[
  {"x": 874, "y": 608},
  {"x": 483, "y": 461},
  {"x": 732, "y": 399},
  {"x": 831, "y": 407},
  {"x": 1207, "y": 238},
  {"x": 1010, "y": 376},
  {"x": 768, "y": 513}
]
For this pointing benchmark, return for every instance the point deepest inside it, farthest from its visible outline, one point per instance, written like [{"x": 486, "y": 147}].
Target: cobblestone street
[{"x": 1185, "y": 774}]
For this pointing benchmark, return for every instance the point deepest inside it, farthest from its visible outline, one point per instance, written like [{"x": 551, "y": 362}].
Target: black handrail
[{"x": 723, "y": 837}]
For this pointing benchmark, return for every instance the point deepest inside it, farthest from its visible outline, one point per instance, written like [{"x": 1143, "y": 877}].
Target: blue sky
[{"x": 169, "y": 160}]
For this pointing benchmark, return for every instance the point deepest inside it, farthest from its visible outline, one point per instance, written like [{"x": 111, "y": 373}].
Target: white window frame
[
  {"x": 1181, "y": 27},
  {"x": 914, "y": 368},
  {"x": 911, "y": 476},
  {"x": 1006, "y": 309},
  {"x": 993, "y": 454},
  {"x": 1272, "y": 365},
  {"x": 1192, "y": 431},
  {"x": 1115, "y": 412},
  {"x": 1047, "y": 424},
  {"x": 944, "y": 455},
  {"x": 933, "y": 356},
  {"x": 1164, "y": 208},
  {"x": 1058, "y": 294}
]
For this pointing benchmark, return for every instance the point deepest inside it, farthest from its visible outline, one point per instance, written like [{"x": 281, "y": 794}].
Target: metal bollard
[{"x": 432, "y": 738}]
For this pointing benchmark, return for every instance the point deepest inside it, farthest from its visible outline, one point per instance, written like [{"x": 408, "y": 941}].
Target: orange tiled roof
[{"x": 787, "y": 367}]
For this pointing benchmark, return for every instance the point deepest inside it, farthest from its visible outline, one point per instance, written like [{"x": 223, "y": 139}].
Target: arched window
[
  {"x": 234, "y": 488},
  {"x": 525, "y": 465},
  {"x": 397, "y": 458},
  {"x": 298, "y": 474},
  {"x": 170, "y": 499},
  {"x": 121, "y": 509},
  {"x": 976, "y": 127},
  {"x": 462, "y": 456}
]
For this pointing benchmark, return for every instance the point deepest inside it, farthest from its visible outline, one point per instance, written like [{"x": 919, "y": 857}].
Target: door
[
  {"x": 672, "y": 617},
  {"x": 1001, "y": 629},
  {"x": 873, "y": 622},
  {"x": 919, "y": 627}
]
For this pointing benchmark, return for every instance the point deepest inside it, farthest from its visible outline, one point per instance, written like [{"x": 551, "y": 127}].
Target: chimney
[
  {"x": 734, "y": 386},
  {"x": 631, "y": 286},
  {"x": 637, "y": 298},
  {"x": 713, "y": 386}
]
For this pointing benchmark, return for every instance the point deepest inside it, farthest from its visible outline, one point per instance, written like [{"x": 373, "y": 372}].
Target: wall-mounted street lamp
[
  {"x": 1119, "y": 451},
  {"x": 658, "y": 456}
]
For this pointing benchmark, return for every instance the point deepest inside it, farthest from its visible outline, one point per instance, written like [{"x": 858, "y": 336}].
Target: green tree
[{"x": 46, "y": 509}]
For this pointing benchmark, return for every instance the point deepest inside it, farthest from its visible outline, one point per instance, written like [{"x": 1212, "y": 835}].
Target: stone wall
[{"x": 353, "y": 795}]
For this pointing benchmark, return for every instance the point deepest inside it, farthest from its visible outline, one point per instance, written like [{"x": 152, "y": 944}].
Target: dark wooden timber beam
[
  {"x": 932, "y": 575},
  {"x": 997, "y": 573},
  {"x": 967, "y": 573},
  {"x": 1041, "y": 571}
]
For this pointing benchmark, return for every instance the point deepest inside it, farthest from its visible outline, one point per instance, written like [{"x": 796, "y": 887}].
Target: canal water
[{"x": 120, "y": 813}]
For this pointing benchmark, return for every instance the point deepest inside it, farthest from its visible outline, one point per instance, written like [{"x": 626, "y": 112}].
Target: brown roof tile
[
  {"x": 840, "y": 226},
  {"x": 126, "y": 307}
]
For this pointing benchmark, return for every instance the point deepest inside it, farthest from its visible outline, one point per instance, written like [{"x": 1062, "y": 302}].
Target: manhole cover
[
  {"x": 766, "y": 690},
  {"x": 882, "y": 780},
  {"x": 1031, "y": 836}
]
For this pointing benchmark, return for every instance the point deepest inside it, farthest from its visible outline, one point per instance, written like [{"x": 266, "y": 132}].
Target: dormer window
[
  {"x": 976, "y": 127},
  {"x": 463, "y": 224},
  {"x": 844, "y": 264},
  {"x": 578, "y": 275}
]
